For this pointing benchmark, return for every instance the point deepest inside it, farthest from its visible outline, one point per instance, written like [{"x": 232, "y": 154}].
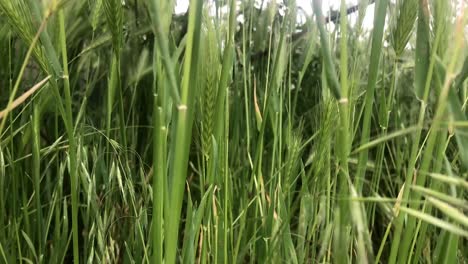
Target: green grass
[{"x": 132, "y": 135}]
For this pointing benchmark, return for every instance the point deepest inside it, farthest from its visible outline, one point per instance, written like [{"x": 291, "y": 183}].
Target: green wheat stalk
[{"x": 209, "y": 85}]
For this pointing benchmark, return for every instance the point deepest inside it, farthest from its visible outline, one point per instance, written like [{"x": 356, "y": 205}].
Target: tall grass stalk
[
  {"x": 344, "y": 133},
  {"x": 68, "y": 118},
  {"x": 159, "y": 182}
]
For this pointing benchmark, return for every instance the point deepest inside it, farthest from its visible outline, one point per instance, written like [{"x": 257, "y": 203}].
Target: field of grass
[{"x": 231, "y": 134}]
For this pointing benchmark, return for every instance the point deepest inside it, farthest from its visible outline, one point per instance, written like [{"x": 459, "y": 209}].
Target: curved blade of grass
[
  {"x": 364, "y": 245},
  {"x": 441, "y": 196},
  {"x": 30, "y": 245},
  {"x": 332, "y": 77},
  {"x": 450, "y": 211},
  {"x": 163, "y": 48},
  {"x": 18, "y": 101},
  {"x": 193, "y": 227},
  {"x": 376, "y": 50},
  {"x": 456, "y": 180},
  {"x": 435, "y": 221},
  {"x": 385, "y": 138}
]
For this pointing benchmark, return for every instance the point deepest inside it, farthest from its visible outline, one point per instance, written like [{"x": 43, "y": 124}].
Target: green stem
[
  {"x": 159, "y": 132},
  {"x": 183, "y": 130},
  {"x": 37, "y": 174},
  {"x": 68, "y": 118},
  {"x": 343, "y": 147}
]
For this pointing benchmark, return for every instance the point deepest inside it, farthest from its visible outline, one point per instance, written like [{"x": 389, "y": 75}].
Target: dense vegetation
[{"x": 231, "y": 133}]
